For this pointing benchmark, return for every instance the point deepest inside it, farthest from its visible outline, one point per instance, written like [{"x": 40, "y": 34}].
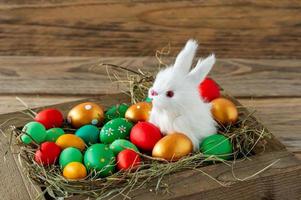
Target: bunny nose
[{"x": 154, "y": 93}]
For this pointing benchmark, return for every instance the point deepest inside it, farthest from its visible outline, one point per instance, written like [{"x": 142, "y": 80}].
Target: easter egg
[
  {"x": 217, "y": 145},
  {"x": 50, "y": 118},
  {"x": 70, "y": 140},
  {"x": 138, "y": 112},
  {"x": 122, "y": 144},
  {"x": 75, "y": 171},
  {"x": 117, "y": 111},
  {"x": 118, "y": 128},
  {"x": 209, "y": 89},
  {"x": 127, "y": 160},
  {"x": 70, "y": 154},
  {"x": 47, "y": 154},
  {"x": 36, "y": 131},
  {"x": 89, "y": 133},
  {"x": 224, "y": 111},
  {"x": 145, "y": 135},
  {"x": 85, "y": 113},
  {"x": 53, "y": 134},
  {"x": 172, "y": 147},
  {"x": 100, "y": 158}
]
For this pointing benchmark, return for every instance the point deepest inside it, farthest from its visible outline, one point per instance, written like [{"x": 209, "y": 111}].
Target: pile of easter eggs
[{"x": 93, "y": 140}]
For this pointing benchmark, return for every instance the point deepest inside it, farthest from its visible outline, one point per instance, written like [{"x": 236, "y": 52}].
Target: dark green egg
[
  {"x": 100, "y": 158},
  {"x": 217, "y": 145},
  {"x": 117, "y": 111},
  {"x": 118, "y": 128}
]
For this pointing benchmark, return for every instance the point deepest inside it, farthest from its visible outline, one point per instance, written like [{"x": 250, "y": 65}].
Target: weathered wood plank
[
  {"x": 281, "y": 181},
  {"x": 236, "y": 28},
  {"x": 84, "y": 76}
]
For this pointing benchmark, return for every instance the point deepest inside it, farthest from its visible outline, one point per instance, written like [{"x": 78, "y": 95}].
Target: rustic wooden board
[
  {"x": 84, "y": 76},
  {"x": 244, "y": 29},
  {"x": 282, "y": 177}
]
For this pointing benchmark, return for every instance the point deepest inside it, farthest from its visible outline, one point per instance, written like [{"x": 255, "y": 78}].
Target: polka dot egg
[
  {"x": 85, "y": 113},
  {"x": 118, "y": 128},
  {"x": 100, "y": 158}
]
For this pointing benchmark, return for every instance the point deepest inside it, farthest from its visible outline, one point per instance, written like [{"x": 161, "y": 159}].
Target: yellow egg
[
  {"x": 75, "y": 171},
  {"x": 224, "y": 111},
  {"x": 70, "y": 140},
  {"x": 86, "y": 113},
  {"x": 172, "y": 147},
  {"x": 138, "y": 112}
]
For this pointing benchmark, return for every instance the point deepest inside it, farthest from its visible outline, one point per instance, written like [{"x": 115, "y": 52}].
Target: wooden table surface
[{"x": 49, "y": 51}]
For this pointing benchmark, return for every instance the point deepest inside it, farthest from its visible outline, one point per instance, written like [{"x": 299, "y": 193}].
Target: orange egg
[
  {"x": 70, "y": 140},
  {"x": 172, "y": 147},
  {"x": 86, "y": 113},
  {"x": 138, "y": 112},
  {"x": 224, "y": 111},
  {"x": 75, "y": 171}
]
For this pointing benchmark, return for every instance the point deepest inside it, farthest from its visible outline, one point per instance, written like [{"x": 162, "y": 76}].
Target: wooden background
[{"x": 49, "y": 50}]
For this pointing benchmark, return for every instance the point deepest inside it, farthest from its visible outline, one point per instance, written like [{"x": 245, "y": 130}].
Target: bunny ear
[
  {"x": 185, "y": 57},
  {"x": 202, "y": 69}
]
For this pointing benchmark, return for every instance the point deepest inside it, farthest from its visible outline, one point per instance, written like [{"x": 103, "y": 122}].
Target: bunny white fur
[{"x": 185, "y": 111}]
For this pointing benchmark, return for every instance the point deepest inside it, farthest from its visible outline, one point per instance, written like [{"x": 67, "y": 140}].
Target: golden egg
[
  {"x": 172, "y": 147},
  {"x": 75, "y": 171},
  {"x": 70, "y": 140},
  {"x": 224, "y": 111},
  {"x": 86, "y": 113},
  {"x": 138, "y": 112}
]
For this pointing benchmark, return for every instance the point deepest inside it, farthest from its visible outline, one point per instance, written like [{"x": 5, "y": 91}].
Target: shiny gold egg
[
  {"x": 85, "y": 113},
  {"x": 138, "y": 112},
  {"x": 172, "y": 147},
  {"x": 224, "y": 111}
]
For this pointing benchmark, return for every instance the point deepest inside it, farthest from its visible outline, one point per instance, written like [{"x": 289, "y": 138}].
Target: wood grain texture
[
  {"x": 231, "y": 29},
  {"x": 83, "y": 76}
]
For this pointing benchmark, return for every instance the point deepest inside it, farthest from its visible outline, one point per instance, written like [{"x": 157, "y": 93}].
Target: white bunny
[{"x": 177, "y": 105}]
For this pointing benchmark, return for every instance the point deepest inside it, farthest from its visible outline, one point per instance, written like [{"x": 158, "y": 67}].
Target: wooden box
[{"x": 273, "y": 174}]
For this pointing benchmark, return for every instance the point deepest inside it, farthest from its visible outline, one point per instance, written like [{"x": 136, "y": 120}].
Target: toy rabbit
[{"x": 177, "y": 105}]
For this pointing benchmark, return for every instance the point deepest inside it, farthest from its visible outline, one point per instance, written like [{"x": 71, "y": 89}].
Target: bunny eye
[{"x": 169, "y": 93}]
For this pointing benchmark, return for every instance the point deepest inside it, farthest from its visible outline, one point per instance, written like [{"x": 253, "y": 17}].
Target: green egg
[
  {"x": 118, "y": 128},
  {"x": 70, "y": 154},
  {"x": 100, "y": 158},
  {"x": 122, "y": 144},
  {"x": 147, "y": 99},
  {"x": 89, "y": 133},
  {"x": 36, "y": 131},
  {"x": 26, "y": 139},
  {"x": 217, "y": 145},
  {"x": 117, "y": 111},
  {"x": 53, "y": 134}
]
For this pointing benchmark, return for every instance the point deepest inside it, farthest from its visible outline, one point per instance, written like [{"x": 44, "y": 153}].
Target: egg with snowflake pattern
[
  {"x": 86, "y": 113},
  {"x": 118, "y": 128}
]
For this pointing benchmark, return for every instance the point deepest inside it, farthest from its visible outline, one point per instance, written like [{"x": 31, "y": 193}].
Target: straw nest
[{"x": 245, "y": 135}]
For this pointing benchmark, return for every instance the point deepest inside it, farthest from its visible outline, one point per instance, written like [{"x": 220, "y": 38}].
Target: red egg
[
  {"x": 48, "y": 153},
  {"x": 128, "y": 159},
  {"x": 145, "y": 135},
  {"x": 209, "y": 89},
  {"x": 50, "y": 118}
]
